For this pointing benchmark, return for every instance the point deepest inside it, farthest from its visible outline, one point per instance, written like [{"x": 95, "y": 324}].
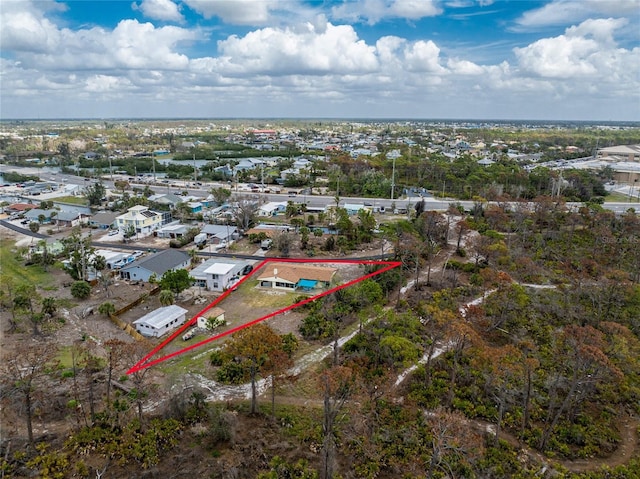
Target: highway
[{"x": 243, "y": 191}]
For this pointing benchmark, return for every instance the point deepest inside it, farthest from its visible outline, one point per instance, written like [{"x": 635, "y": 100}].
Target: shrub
[{"x": 80, "y": 289}]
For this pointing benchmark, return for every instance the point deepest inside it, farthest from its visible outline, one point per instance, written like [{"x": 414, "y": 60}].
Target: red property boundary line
[{"x": 146, "y": 361}]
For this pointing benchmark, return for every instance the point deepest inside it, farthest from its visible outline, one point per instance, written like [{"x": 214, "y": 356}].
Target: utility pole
[
  {"x": 393, "y": 178},
  {"x": 110, "y": 166},
  {"x": 153, "y": 160},
  {"x": 195, "y": 170}
]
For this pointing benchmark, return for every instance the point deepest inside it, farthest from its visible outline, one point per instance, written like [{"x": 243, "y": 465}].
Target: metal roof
[
  {"x": 160, "y": 262},
  {"x": 161, "y": 316}
]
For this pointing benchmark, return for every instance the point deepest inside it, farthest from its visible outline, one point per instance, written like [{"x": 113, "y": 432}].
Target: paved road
[
  {"x": 318, "y": 201},
  {"x": 24, "y": 231}
]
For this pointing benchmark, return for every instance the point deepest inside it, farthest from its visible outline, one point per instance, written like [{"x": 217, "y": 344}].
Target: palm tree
[
  {"x": 52, "y": 216},
  {"x": 166, "y": 297}
]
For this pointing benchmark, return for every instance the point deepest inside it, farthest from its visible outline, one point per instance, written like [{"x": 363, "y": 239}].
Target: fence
[{"x": 126, "y": 326}]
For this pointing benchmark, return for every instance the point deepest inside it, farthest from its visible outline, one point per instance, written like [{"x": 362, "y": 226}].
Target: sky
[{"x": 367, "y": 59}]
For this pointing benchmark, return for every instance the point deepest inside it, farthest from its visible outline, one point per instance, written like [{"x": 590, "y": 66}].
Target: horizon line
[{"x": 319, "y": 118}]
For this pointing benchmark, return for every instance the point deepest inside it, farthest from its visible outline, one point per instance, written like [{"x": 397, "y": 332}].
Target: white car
[{"x": 113, "y": 232}]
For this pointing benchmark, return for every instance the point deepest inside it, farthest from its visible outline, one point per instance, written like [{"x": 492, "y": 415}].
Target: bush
[{"x": 80, "y": 289}]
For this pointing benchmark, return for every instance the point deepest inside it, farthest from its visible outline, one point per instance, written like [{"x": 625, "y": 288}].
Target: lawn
[
  {"x": 261, "y": 298},
  {"x": 72, "y": 200},
  {"x": 12, "y": 267}
]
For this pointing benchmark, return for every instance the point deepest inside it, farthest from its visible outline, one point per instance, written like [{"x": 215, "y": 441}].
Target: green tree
[
  {"x": 280, "y": 469},
  {"x": 166, "y": 297},
  {"x": 282, "y": 242},
  {"x": 107, "y": 308},
  {"x": 43, "y": 257},
  {"x": 80, "y": 253},
  {"x": 129, "y": 231},
  {"x": 221, "y": 195},
  {"x": 176, "y": 281},
  {"x": 24, "y": 301},
  {"x": 80, "y": 289},
  {"x": 253, "y": 346},
  {"x": 49, "y": 307},
  {"x": 95, "y": 193},
  {"x": 34, "y": 226}
]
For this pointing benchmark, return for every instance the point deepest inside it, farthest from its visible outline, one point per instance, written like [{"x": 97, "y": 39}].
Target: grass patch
[
  {"x": 64, "y": 357},
  {"x": 12, "y": 268},
  {"x": 72, "y": 200},
  {"x": 614, "y": 197},
  {"x": 264, "y": 298},
  {"x": 196, "y": 361}
]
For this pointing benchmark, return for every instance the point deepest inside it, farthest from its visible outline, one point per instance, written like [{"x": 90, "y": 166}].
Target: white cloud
[
  {"x": 303, "y": 50},
  {"x": 423, "y": 56},
  {"x": 25, "y": 28},
  {"x": 567, "y": 12},
  {"x": 130, "y": 45},
  {"x": 582, "y": 51},
  {"x": 237, "y": 12},
  {"x": 316, "y": 67},
  {"x": 106, "y": 83},
  {"x": 464, "y": 67},
  {"x": 164, "y": 10},
  {"x": 373, "y": 11}
]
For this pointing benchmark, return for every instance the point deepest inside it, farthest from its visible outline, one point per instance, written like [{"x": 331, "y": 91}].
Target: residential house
[
  {"x": 18, "y": 208},
  {"x": 141, "y": 218},
  {"x": 159, "y": 322},
  {"x": 272, "y": 208},
  {"x": 157, "y": 263},
  {"x": 195, "y": 206},
  {"x": 218, "y": 274},
  {"x": 296, "y": 276},
  {"x": 71, "y": 218},
  {"x": 172, "y": 230},
  {"x": 353, "y": 208},
  {"x": 117, "y": 259},
  {"x": 168, "y": 199},
  {"x": 224, "y": 170},
  {"x": 103, "y": 220},
  {"x": 35, "y": 214},
  {"x": 217, "y": 234},
  {"x": 214, "y": 314}
]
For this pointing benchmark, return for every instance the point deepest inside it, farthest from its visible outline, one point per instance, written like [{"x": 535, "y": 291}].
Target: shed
[{"x": 160, "y": 321}]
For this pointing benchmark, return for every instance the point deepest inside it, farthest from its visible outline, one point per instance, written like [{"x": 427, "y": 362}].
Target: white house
[
  {"x": 221, "y": 276},
  {"x": 141, "y": 218},
  {"x": 161, "y": 321},
  {"x": 295, "y": 276},
  {"x": 272, "y": 208}
]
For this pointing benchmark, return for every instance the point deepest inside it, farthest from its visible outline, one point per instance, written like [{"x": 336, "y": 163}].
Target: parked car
[
  {"x": 247, "y": 269},
  {"x": 113, "y": 232}
]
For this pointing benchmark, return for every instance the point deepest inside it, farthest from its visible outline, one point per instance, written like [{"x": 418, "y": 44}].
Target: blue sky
[{"x": 492, "y": 59}]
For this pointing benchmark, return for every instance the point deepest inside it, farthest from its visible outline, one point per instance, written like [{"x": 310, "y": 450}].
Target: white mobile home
[{"x": 161, "y": 321}]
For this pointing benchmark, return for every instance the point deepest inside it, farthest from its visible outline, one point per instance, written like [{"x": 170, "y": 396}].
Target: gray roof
[
  {"x": 105, "y": 217},
  {"x": 220, "y": 231},
  {"x": 34, "y": 213},
  {"x": 68, "y": 215},
  {"x": 161, "y": 316},
  {"x": 160, "y": 262}
]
